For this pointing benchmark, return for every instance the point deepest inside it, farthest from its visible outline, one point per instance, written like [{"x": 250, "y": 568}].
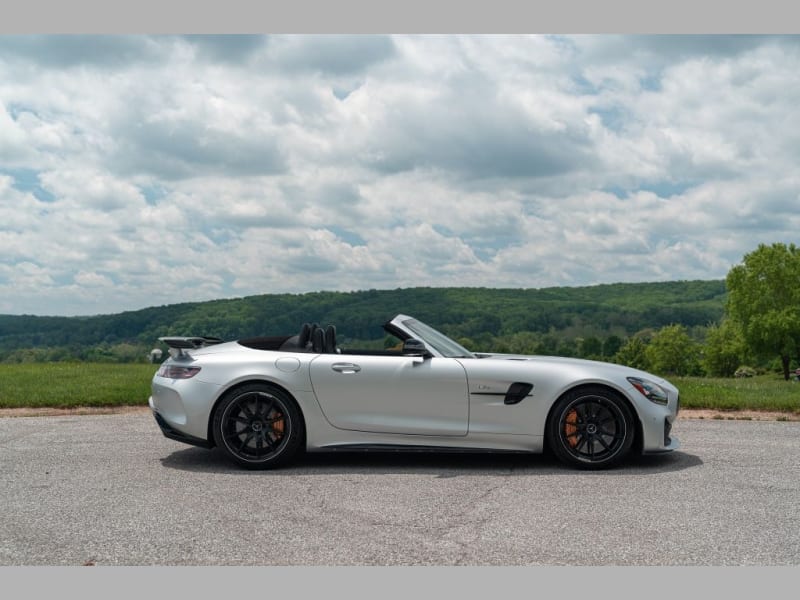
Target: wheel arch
[
  {"x": 638, "y": 440},
  {"x": 243, "y": 383}
]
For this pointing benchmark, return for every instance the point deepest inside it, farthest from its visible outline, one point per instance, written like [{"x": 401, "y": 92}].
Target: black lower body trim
[
  {"x": 412, "y": 449},
  {"x": 172, "y": 434}
]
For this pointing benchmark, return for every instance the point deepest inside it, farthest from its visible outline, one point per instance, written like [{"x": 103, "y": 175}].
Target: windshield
[{"x": 437, "y": 340}]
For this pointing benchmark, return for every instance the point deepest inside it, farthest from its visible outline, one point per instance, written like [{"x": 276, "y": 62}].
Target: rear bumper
[{"x": 173, "y": 434}]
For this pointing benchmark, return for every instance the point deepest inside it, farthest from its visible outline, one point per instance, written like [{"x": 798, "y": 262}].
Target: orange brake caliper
[
  {"x": 571, "y": 428},
  {"x": 277, "y": 427}
]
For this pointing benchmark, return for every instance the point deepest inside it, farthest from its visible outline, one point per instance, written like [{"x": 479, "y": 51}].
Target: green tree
[
  {"x": 547, "y": 346},
  {"x": 591, "y": 347},
  {"x": 764, "y": 299},
  {"x": 611, "y": 345},
  {"x": 468, "y": 343},
  {"x": 633, "y": 353},
  {"x": 568, "y": 348},
  {"x": 673, "y": 352},
  {"x": 523, "y": 342},
  {"x": 725, "y": 349}
]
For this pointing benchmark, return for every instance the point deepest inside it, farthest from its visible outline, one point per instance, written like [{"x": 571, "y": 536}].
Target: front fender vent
[{"x": 517, "y": 391}]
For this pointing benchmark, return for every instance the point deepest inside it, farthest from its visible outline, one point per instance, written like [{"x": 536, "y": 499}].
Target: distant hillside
[{"x": 479, "y": 313}]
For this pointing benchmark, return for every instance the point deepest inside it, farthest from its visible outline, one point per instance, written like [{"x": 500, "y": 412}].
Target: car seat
[{"x": 330, "y": 340}]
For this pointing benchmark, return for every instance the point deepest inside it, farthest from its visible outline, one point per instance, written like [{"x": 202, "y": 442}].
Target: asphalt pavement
[{"x": 111, "y": 490}]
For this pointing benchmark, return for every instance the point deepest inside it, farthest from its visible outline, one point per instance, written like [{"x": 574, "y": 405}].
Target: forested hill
[{"x": 476, "y": 313}]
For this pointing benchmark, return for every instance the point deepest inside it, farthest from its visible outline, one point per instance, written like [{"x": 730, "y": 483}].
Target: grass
[
  {"x": 761, "y": 393},
  {"x": 69, "y": 385}
]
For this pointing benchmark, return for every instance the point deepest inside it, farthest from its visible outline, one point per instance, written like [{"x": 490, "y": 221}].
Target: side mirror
[{"x": 415, "y": 347}]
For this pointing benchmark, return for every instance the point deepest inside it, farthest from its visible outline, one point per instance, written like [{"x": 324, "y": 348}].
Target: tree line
[
  {"x": 560, "y": 319},
  {"x": 680, "y": 327}
]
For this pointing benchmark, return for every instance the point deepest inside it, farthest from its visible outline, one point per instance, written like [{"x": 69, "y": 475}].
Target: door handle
[{"x": 345, "y": 368}]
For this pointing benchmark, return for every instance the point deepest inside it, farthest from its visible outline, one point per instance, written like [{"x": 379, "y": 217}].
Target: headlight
[
  {"x": 651, "y": 391},
  {"x": 177, "y": 372}
]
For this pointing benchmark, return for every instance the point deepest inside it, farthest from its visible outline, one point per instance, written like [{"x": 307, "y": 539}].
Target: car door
[{"x": 392, "y": 394}]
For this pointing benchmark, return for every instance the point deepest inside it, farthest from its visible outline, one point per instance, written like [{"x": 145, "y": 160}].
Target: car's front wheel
[
  {"x": 591, "y": 428},
  {"x": 258, "y": 426}
]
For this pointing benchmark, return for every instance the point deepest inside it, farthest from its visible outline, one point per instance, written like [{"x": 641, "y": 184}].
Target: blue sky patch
[
  {"x": 153, "y": 193},
  {"x": 27, "y": 180},
  {"x": 347, "y": 236},
  {"x": 617, "y": 191},
  {"x": 651, "y": 82},
  {"x": 15, "y": 110},
  {"x": 584, "y": 86},
  {"x": 614, "y": 118},
  {"x": 667, "y": 189}
]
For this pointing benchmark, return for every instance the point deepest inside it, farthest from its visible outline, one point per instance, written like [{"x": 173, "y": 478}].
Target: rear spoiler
[{"x": 189, "y": 343}]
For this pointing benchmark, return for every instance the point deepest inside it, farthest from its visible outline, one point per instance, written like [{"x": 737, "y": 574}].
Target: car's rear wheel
[
  {"x": 591, "y": 428},
  {"x": 258, "y": 426}
]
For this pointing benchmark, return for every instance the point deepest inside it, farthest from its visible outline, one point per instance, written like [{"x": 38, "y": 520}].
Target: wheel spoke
[
  {"x": 600, "y": 439},
  {"x": 249, "y": 437},
  {"x": 246, "y": 410},
  {"x": 607, "y": 433},
  {"x": 593, "y": 410},
  {"x": 264, "y": 407}
]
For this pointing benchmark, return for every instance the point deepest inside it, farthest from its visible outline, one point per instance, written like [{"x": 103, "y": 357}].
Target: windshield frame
[{"x": 436, "y": 340}]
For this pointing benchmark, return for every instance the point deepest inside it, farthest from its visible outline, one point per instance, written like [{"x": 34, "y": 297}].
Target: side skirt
[{"x": 412, "y": 449}]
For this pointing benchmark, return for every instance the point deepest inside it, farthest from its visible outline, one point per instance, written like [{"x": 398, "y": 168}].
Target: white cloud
[
  {"x": 142, "y": 170},
  {"x": 14, "y": 147}
]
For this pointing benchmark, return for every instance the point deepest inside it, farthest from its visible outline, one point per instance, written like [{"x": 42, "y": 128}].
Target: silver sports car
[{"x": 261, "y": 400}]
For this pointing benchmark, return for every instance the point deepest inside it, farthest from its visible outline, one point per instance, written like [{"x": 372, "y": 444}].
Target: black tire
[
  {"x": 591, "y": 428},
  {"x": 258, "y": 426}
]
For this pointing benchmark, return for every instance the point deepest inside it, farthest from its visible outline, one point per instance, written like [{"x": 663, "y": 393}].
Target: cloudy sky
[{"x": 139, "y": 171}]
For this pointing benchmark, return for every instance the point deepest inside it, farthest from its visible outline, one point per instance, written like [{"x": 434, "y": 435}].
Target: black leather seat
[
  {"x": 318, "y": 341},
  {"x": 330, "y": 339},
  {"x": 305, "y": 336}
]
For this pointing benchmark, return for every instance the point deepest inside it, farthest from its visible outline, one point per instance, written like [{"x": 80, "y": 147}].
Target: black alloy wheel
[
  {"x": 258, "y": 426},
  {"x": 591, "y": 428}
]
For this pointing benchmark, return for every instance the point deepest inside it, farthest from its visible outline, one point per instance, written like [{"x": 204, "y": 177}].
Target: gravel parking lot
[{"x": 110, "y": 490}]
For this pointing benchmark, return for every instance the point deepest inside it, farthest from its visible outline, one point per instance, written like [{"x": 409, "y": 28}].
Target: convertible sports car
[{"x": 261, "y": 400}]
